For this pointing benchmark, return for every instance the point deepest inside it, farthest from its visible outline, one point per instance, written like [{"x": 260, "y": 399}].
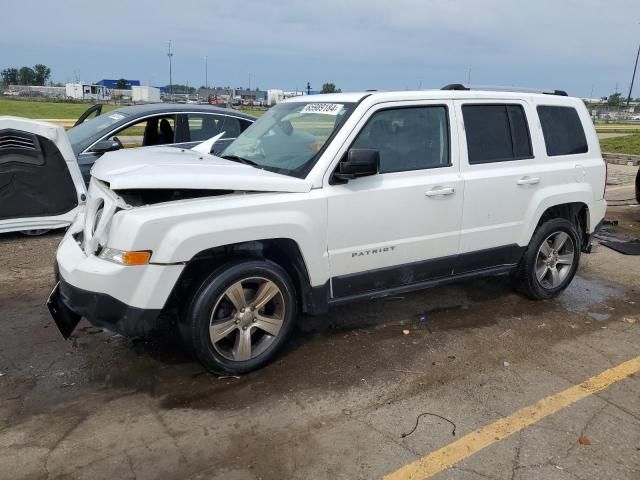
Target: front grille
[{"x": 13, "y": 139}]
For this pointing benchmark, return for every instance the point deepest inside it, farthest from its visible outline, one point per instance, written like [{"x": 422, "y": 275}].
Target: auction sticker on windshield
[{"x": 324, "y": 108}]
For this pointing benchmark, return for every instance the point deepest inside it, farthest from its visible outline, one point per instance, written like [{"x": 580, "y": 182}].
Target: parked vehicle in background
[
  {"x": 145, "y": 94},
  {"x": 331, "y": 199},
  {"x": 178, "y": 125}
]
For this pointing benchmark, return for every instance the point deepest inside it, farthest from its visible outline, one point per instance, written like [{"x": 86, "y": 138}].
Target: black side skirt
[{"x": 418, "y": 275}]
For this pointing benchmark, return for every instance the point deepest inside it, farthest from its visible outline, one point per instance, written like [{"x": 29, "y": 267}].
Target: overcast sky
[{"x": 577, "y": 45}]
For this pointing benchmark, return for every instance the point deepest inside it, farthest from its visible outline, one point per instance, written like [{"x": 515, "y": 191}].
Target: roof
[
  {"x": 149, "y": 108},
  {"x": 421, "y": 94}
]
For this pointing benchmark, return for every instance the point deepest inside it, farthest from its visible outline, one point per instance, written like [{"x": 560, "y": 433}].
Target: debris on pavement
[
  {"x": 506, "y": 364},
  {"x": 406, "y": 332},
  {"x": 506, "y": 332},
  {"x": 424, "y": 321},
  {"x": 584, "y": 441},
  {"x": 404, "y": 435},
  {"x": 629, "y": 320}
]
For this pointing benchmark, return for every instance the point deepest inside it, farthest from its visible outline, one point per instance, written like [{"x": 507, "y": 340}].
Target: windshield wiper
[{"x": 235, "y": 158}]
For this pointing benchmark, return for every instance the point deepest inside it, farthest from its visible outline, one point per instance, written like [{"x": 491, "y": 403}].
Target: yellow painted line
[{"x": 447, "y": 456}]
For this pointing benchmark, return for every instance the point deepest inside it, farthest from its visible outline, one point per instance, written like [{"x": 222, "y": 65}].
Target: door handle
[
  {"x": 440, "y": 191},
  {"x": 527, "y": 180}
]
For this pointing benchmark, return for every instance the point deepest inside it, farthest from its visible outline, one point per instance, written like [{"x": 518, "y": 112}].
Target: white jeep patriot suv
[{"x": 327, "y": 199}]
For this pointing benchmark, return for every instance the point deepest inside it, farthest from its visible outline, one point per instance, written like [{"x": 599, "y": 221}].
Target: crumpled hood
[{"x": 170, "y": 167}]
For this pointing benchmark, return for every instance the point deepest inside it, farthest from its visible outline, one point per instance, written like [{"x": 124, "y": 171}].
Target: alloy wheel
[
  {"x": 247, "y": 318},
  {"x": 555, "y": 259}
]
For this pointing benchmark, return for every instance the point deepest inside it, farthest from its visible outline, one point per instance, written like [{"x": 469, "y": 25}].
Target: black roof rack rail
[
  {"x": 562, "y": 93},
  {"x": 455, "y": 86},
  {"x": 460, "y": 86}
]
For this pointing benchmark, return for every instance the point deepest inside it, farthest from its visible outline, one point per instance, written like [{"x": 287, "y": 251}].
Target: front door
[{"x": 401, "y": 226}]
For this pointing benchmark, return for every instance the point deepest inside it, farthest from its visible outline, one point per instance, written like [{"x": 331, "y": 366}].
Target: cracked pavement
[{"x": 335, "y": 403}]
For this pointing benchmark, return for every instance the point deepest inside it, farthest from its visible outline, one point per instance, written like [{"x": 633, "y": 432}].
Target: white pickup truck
[{"x": 328, "y": 199}]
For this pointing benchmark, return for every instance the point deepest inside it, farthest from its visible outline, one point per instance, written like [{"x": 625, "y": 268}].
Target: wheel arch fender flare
[
  {"x": 283, "y": 251},
  {"x": 576, "y": 212},
  {"x": 566, "y": 204}
]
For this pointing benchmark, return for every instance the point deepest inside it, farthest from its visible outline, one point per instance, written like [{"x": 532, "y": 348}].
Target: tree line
[{"x": 38, "y": 75}]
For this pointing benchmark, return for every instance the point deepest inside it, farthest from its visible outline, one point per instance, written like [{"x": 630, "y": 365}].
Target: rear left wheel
[
  {"x": 551, "y": 260},
  {"x": 241, "y": 316}
]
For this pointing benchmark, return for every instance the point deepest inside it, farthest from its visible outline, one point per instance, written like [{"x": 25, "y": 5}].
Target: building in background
[
  {"x": 111, "y": 84},
  {"x": 87, "y": 91}
]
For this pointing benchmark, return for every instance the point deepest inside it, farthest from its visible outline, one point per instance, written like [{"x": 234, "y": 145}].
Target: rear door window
[
  {"x": 203, "y": 126},
  {"x": 496, "y": 133},
  {"x": 562, "y": 130}
]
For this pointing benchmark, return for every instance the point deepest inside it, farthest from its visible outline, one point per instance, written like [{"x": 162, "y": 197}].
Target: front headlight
[{"x": 125, "y": 257}]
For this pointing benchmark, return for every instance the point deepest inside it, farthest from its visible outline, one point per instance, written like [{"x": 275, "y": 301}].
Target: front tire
[
  {"x": 241, "y": 316},
  {"x": 551, "y": 260}
]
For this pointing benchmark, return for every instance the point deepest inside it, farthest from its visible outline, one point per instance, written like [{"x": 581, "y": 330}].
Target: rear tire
[
  {"x": 240, "y": 316},
  {"x": 551, "y": 260}
]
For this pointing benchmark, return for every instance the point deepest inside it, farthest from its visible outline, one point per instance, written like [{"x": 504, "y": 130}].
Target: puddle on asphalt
[{"x": 589, "y": 296}]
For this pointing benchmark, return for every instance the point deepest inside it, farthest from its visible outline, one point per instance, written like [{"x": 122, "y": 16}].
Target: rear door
[
  {"x": 502, "y": 173},
  {"x": 40, "y": 183}
]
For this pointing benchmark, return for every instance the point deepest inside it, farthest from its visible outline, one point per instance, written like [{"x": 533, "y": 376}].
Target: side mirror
[
  {"x": 359, "y": 162},
  {"x": 105, "y": 146}
]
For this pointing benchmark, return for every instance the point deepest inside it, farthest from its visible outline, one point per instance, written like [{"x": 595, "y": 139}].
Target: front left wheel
[{"x": 241, "y": 316}]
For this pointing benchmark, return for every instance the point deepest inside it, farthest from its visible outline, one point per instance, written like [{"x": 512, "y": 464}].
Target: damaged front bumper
[
  {"x": 68, "y": 304},
  {"x": 124, "y": 299}
]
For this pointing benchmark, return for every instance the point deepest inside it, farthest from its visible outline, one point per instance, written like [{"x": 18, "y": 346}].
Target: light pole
[
  {"x": 633, "y": 77},
  {"x": 170, "y": 54},
  {"x": 206, "y": 74}
]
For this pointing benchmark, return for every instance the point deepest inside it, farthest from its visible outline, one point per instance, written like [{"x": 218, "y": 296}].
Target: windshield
[
  {"x": 289, "y": 136},
  {"x": 81, "y": 134}
]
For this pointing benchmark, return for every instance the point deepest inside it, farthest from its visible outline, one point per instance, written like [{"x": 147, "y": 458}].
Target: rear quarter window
[{"x": 562, "y": 130}]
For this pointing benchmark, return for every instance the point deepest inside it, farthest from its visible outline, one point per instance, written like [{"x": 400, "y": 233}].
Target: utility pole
[
  {"x": 206, "y": 74},
  {"x": 308, "y": 88},
  {"x": 633, "y": 77},
  {"x": 170, "y": 54},
  {"x": 469, "y": 77}
]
